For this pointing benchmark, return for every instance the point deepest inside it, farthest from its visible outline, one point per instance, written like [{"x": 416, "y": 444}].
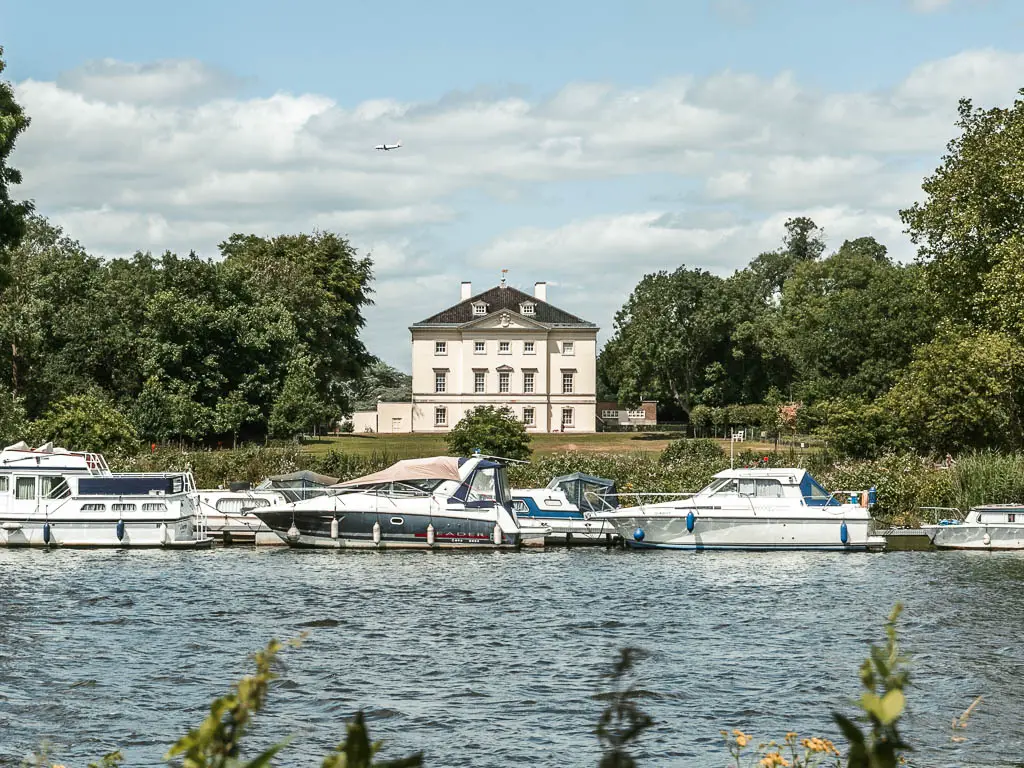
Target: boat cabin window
[
  {"x": 151, "y": 506},
  {"x": 764, "y": 488},
  {"x": 53, "y": 487},
  {"x": 234, "y": 506},
  {"x": 488, "y": 484},
  {"x": 94, "y": 507},
  {"x": 519, "y": 506},
  {"x": 122, "y": 507},
  {"x": 25, "y": 488},
  {"x": 4, "y": 485}
]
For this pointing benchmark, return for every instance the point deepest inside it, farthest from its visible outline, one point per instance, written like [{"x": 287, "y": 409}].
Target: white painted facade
[{"x": 502, "y": 348}]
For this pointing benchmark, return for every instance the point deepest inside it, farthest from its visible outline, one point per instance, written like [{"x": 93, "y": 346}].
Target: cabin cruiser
[
  {"x": 55, "y": 497},
  {"x": 229, "y": 510},
  {"x": 753, "y": 509},
  {"x": 991, "y": 526},
  {"x": 441, "y": 502},
  {"x": 567, "y": 505}
]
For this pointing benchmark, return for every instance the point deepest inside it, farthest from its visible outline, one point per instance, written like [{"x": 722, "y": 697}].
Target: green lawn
[{"x": 405, "y": 446}]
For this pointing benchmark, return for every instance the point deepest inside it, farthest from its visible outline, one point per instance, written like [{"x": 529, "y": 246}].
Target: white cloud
[{"x": 169, "y": 156}]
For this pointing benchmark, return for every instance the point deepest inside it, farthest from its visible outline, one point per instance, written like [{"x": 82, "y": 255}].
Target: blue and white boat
[
  {"x": 442, "y": 502},
  {"x": 753, "y": 509},
  {"x": 988, "y": 526},
  {"x": 567, "y": 506},
  {"x": 53, "y": 497}
]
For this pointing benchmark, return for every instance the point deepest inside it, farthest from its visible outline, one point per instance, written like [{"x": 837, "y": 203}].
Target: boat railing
[
  {"x": 935, "y": 518},
  {"x": 640, "y": 496}
]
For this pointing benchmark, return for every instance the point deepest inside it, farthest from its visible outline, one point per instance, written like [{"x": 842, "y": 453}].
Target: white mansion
[{"x": 499, "y": 347}]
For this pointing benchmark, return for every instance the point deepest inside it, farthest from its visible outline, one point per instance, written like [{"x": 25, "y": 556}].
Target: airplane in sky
[{"x": 387, "y": 147}]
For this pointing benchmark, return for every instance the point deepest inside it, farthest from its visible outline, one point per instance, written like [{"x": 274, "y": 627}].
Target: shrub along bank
[{"x": 905, "y": 482}]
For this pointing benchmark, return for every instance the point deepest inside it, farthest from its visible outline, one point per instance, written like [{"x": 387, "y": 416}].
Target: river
[{"x": 492, "y": 659}]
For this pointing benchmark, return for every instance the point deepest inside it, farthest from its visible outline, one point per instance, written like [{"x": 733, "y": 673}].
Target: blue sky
[{"x": 578, "y": 143}]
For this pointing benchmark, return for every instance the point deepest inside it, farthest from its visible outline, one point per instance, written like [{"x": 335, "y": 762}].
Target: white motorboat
[
  {"x": 54, "y": 497},
  {"x": 229, "y": 511},
  {"x": 752, "y": 509},
  {"x": 990, "y": 526},
  {"x": 441, "y": 502},
  {"x": 567, "y": 506}
]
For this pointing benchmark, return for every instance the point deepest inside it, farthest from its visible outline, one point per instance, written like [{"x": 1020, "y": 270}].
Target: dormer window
[
  {"x": 479, "y": 309},
  {"x": 527, "y": 308}
]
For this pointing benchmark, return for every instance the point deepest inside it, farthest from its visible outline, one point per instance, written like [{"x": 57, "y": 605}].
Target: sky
[{"x": 582, "y": 144}]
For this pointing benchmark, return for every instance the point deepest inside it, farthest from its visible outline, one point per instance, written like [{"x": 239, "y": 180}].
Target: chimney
[
  {"x": 540, "y": 291},
  {"x": 467, "y": 289}
]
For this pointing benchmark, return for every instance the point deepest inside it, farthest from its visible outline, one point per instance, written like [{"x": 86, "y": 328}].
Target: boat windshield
[
  {"x": 488, "y": 483},
  {"x": 417, "y": 487}
]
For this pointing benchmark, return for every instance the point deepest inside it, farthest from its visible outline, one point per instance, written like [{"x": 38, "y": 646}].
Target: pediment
[{"x": 505, "y": 320}]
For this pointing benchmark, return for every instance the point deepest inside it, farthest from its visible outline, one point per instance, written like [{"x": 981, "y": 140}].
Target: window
[
  {"x": 479, "y": 347},
  {"x": 479, "y": 382},
  {"x": 122, "y": 507},
  {"x": 25, "y": 488},
  {"x": 94, "y": 507},
  {"x": 567, "y": 382},
  {"x": 53, "y": 488},
  {"x": 528, "y": 348},
  {"x": 440, "y": 381},
  {"x": 503, "y": 382},
  {"x": 528, "y": 382},
  {"x": 609, "y": 414},
  {"x": 637, "y": 414},
  {"x": 152, "y": 506},
  {"x": 4, "y": 485},
  {"x": 479, "y": 309},
  {"x": 1011, "y": 518},
  {"x": 526, "y": 309},
  {"x": 566, "y": 417},
  {"x": 504, "y": 347},
  {"x": 440, "y": 416},
  {"x": 568, "y": 348},
  {"x": 529, "y": 417},
  {"x": 440, "y": 347}
]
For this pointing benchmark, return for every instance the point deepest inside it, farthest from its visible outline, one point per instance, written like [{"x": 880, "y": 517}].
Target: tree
[
  {"x": 974, "y": 202},
  {"x": 493, "y": 431},
  {"x": 849, "y": 323},
  {"x": 299, "y": 407},
  {"x": 12, "y": 419},
  {"x": 670, "y": 329},
  {"x": 959, "y": 392},
  {"x": 12, "y": 214},
  {"x": 379, "y": 381},
  {"x": 87, "y": 422}
]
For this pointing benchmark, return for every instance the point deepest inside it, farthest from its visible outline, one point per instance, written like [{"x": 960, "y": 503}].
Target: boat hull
[
  {"x": 171, "y": 533},
  {"x": 973, "y": 536},
  {"x": 572, "y": 530},
  {"x": 762, "y": 533},
  {"x": 355, "y": 530}
]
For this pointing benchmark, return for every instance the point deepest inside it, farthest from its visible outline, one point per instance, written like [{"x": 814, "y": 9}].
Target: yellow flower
[
  {"x": 773, "y": 759},
  {"x": 742, "y": 739}
]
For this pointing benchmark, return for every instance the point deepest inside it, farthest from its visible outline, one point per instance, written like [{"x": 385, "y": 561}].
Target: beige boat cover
[{"x": 432, "y": 468}]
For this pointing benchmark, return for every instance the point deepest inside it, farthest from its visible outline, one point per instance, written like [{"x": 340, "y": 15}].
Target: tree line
[{"x": 872, "y": 354}]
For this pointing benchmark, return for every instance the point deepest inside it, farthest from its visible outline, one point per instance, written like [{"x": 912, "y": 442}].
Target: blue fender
[
  {"x": 120, "y": 530},
  {"x": 46, "y": 533},
  {"x": 689, "y": 522},
  {"x": 844, "y": 533},
  {"x": 638, "y": 534}
]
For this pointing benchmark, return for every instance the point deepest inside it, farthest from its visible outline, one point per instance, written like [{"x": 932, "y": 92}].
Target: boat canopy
[
  {"x": 301, "y": 479},
  {"x": 433, "y": 468},
  {"x": 587, "y": 491}
]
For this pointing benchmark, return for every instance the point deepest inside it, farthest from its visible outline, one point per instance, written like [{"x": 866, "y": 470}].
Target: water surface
[{"x": 491, "y": 659}]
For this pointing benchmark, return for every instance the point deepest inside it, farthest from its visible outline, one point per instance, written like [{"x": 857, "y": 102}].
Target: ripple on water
[{"x": 490, "y": 659}]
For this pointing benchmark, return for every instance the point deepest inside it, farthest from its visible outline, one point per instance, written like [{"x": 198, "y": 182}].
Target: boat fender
[
  {"x": 986, "y": 539},
  {"x": 844, "y": 533},
  {"x": 376, "y": 533},
  {"x": 638, "y": 534},
  {"x": 872, "y": 496},
  {"x": 497, "y": 534},
  {"x": 334, "y": 527},
  {"x": 690, "y": 519},
  {"x": 120, "y": 530},
  {"x": 568, "y": 538},
  {"x": 430, "y": 534},
  {"x": 293, "y": 533},
  {"x": 163, "y": 534},
  {"x": 46, "y": 533}
]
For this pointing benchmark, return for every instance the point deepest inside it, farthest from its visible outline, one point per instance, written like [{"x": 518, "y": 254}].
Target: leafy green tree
[
  {"x": 232, "y": 413},
  {"x": 857, "y": 428},
  {"x": 299, "y": 407},
  {"x": 13, "y": 426},
  {"x": 974, "y": 203},
  {"x": 12, "y": 214},
  {"x": 87, "y": 422},
  {"x": 672, "y": 327},
  {"x": 492, "y": 431},
  {"x": 379, "y": 381},
  {"x": 960, "y": 391},
  {"x": 849, "y": 323}
]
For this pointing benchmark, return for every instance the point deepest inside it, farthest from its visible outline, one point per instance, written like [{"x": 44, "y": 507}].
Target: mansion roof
[{"x": 505, "y": 298}]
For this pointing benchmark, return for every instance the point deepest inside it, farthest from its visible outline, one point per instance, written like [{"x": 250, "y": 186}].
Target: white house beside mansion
[{"x": 499, "y": 347}]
